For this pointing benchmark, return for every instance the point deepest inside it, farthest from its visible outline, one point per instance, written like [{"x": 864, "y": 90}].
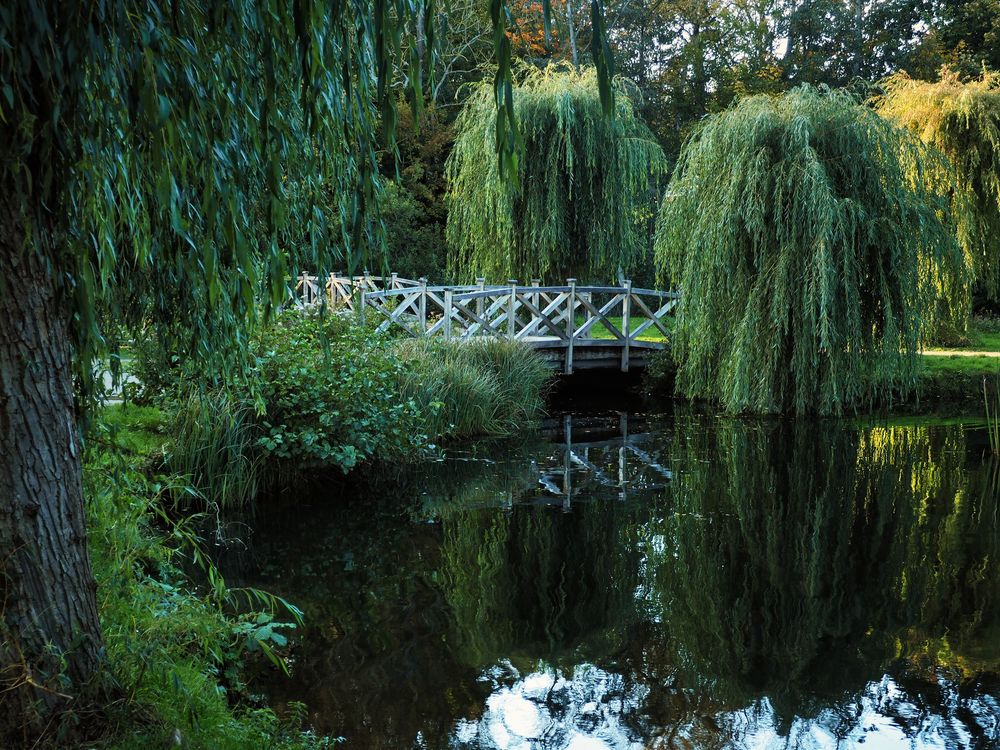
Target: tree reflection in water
[{"x": 803, "y": 585}]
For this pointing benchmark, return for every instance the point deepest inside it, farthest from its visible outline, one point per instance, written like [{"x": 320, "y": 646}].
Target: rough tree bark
[{"x": 50, "y": 638}]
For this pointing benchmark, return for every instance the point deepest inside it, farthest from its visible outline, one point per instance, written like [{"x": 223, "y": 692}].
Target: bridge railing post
[
  {"x": 394, "y": 281},
  {"x": 304, "y": 286},
  {"x": 570, "y": 324},
  {"x": 447, "y": 314},
  {"x": 535, "y": 299},
  {"x": 481, "y": 284},
  {"x": 512, "y": 310},
  {"x": 626, "y": 323},
  {"x": 334, "y": 288},
  {"x": 331, "y": 289},
  {"x": 422, "y": 306}
]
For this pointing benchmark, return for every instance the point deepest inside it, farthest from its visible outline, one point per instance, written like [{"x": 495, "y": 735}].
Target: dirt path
[{"x": 958, "y": 353}]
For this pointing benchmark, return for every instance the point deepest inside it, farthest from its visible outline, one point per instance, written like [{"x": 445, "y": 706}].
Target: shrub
[{"x": 327, "y": 391}]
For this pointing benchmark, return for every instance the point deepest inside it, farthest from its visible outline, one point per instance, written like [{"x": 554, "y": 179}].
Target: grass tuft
[
  {"x": 479, "y": 387},
  {"x": 213, "y": 447}
]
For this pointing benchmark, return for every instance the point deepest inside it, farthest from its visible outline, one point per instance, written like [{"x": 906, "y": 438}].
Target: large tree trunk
[{"x": 50, "y": 637}]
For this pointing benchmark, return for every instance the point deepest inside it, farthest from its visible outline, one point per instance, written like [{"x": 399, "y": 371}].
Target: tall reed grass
[
  {"x": 214, "y": 447},
  {"x": 478, "y": 387}
]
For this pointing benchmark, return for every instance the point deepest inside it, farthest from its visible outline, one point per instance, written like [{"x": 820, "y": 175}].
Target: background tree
[
  {"x": 806, "y": 255},
  {"x": 963, "y": 121},
  {"x": 966, "y": 33},
  {"x": 412, "y": 207},
  {"x": 584, "y": 192},
  {"x": 692, "y": 57}
]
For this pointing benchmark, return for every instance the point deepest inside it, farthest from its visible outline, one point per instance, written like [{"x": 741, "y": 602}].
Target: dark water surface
[{"x": 676, "y": 581}]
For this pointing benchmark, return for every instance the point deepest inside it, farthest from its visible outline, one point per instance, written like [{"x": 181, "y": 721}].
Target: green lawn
[
  {"x": 984, "y": 337},
  {"x": 984, "y": 340},
  {"x": 602, "y": 331},
  {"x": 139, "y": 431},
  {"x": 934, "y": 363}
]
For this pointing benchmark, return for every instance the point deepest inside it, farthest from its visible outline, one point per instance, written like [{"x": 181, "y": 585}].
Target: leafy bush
[
  {"x": 327, "y": 388},
  {"x": 478, "y": 387},
  {"x": 326, "y": 393}
]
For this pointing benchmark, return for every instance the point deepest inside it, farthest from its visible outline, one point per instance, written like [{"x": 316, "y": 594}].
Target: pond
[{"x": 660, "y": 581}]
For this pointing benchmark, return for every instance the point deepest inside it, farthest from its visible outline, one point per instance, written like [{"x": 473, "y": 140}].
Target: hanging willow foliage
[
  {"x": 584, "y": 193},
  {"x": 963, "y": 121},
  {"x": 802, "y": 249}
]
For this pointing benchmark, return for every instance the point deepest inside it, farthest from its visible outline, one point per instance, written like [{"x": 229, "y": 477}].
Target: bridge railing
[
  {"x": 547, "y": 317},
  {"x": 341, "y": 290}
]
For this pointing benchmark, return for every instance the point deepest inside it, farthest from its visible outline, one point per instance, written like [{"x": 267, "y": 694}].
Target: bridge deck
[{"x": 570, "y": 325}]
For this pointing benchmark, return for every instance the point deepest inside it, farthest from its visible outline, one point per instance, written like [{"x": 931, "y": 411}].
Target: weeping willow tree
[
  {"x": 584, "y": 194},
  {"x": 806, "y": 254},
  {"x": 962, "y": 120}
]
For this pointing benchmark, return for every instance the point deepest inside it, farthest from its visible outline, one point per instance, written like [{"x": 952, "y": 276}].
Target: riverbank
[
  {"x": 176, "y": 650},
  {"x": 322, "y": 393}
]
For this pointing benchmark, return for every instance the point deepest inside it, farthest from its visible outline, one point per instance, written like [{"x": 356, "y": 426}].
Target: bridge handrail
[
  {"x": 386, "y": 293},
  {"x": 398, "y": 285}
]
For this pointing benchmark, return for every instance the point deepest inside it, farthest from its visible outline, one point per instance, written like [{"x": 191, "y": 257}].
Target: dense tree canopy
[
  {"x": 963, "y": 121},
  {"x": 966, "y": 34},
  {"x": 689, "y": 57},
  {"x": 585, "y": 187},
  {"x": 806, "y": 257}
]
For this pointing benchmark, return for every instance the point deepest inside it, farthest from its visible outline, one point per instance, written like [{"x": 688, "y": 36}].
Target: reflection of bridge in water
[
  {"x": 578, "y": 459},
  {"x": 598, "y": 455}
]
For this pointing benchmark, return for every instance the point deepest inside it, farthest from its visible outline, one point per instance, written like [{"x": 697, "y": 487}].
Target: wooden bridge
[{"x": 571, "y": 326}]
